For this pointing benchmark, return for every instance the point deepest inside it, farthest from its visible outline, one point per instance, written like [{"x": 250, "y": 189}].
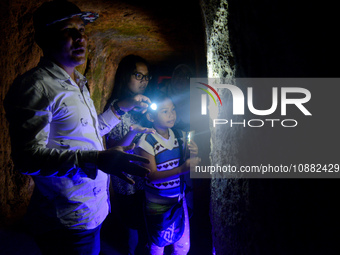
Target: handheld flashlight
[
  {"x": 153, "y": 106},
  {"x": 190, "y": 136}
]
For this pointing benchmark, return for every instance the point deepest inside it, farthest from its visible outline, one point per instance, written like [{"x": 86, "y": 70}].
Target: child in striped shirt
[{"x": 164, "y": 187}]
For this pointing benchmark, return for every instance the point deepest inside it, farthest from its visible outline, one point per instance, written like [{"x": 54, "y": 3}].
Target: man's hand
[
  {"x": 116, "y": 161},
  {"x": 138, "y": 103}
]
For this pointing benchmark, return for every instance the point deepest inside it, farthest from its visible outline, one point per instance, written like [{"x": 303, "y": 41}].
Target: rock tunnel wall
[{"x": 269, "y": 216}]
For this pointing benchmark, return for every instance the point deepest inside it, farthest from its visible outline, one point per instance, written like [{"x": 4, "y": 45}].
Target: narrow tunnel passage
[{"x": 219, "y": 39}]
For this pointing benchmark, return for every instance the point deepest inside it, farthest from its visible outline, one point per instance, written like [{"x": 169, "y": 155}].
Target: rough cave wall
[
  {"x": 165, "y": 35},
  {"x": 268, "y": 216},
  {"x": 17, "y": 38}
]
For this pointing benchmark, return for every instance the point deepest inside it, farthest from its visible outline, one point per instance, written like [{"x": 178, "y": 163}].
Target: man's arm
[
  {"x": 107, "y": 120},
  {"x": 29, "y": 116}
]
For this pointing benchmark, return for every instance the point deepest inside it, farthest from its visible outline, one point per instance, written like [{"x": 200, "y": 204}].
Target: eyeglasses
[{"x": 140, "y": 76}]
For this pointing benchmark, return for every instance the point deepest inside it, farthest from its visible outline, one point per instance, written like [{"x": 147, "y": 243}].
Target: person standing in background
[{"x": 132, "y": 78}]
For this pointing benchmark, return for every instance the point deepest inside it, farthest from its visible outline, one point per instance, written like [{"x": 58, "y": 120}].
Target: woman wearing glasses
[{"x": 131, "y": 79}]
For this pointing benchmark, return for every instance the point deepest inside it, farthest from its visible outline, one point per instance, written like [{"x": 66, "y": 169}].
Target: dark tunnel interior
[{"x": 279, "y": 39}]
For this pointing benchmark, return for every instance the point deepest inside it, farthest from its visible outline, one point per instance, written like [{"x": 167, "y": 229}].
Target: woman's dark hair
[{"x": 126, "y": 67}]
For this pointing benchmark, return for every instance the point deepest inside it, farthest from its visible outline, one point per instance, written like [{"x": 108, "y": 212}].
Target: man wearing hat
[{"x": 56, "y": 136}]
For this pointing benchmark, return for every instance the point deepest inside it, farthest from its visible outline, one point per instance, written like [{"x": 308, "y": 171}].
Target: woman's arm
[{"x": 128, "y": 138}]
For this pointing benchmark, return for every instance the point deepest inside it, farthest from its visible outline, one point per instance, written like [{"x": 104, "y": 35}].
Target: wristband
[{"x": 118, "y": 110}]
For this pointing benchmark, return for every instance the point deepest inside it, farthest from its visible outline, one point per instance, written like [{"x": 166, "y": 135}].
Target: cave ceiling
[{"x": 164, "y": 34}]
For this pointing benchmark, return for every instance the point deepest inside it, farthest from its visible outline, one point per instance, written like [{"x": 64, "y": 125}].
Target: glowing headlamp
[{"x": 153, "y": 106}]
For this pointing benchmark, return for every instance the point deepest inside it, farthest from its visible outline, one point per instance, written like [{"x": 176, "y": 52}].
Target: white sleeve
[{"x": 107, "y": 121}]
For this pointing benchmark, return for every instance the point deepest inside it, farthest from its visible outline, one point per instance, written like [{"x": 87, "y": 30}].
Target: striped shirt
[{"x": 167, "y": 156}]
